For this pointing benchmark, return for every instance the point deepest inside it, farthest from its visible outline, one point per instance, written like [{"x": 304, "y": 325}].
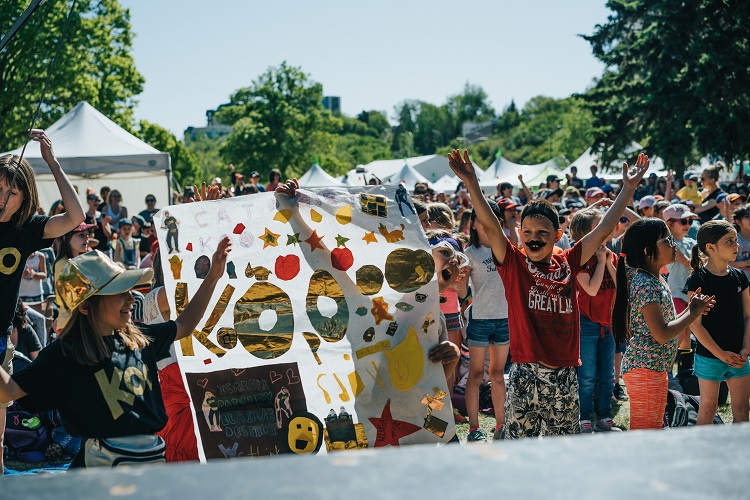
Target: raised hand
[
  {"x": 206, "y": 193},
  {"x": 289, "y": 188},
  {"x": 700, "y": 303},
  {"x": 631, "y": 179},
  {"x": 462, "y": 166},
  {"x": 45, "y": 144},
  {"x": 219, "y": 258}
]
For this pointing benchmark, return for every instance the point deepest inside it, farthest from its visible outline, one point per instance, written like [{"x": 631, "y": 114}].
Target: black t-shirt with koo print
[{"x": 119, "y": 396}]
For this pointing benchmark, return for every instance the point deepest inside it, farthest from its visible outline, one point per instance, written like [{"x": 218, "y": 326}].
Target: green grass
[{"x": 620, "y": 415}]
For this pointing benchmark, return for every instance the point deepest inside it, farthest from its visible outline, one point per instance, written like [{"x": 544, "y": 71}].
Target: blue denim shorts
[
  {"x": 716, "y": 370},
  {"x": 483, "y": 332}
]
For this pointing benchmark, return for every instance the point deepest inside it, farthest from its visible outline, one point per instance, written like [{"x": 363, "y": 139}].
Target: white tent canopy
[
  {"x": 317, "y": 177},
  {"x": 614, "y": 173},
  {"x": 503, "y": 170},
  {"x": 446, "y": 184},
  {"x": 407, "y": 176},
  {"x": 94, "y": 151}
]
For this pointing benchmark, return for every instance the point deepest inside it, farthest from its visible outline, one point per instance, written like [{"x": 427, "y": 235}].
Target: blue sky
[{"x": 195, "y": 53}]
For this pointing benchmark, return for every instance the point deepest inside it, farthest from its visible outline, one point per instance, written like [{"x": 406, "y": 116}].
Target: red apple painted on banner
[
  {"x": 287, "y": 267},
  {"x": 342, "y": 258}
]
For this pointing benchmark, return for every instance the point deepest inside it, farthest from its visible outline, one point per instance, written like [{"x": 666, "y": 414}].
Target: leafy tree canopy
[
  {"x": 278, "y": 122},
  {"x": 186, "y": 167},
  {"x": 676, "y": 76},
  {"x": 95, "y": 64}
]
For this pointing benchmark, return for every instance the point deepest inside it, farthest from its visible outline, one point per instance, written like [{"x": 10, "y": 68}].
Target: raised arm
[
  {"x": 74, "y": 214},
  {"x": 196, "y": 307},
  {"x": 527, "y": 192},
  {"x": 592, "y": 241},
  {"x": 670, "y": 181},
  {"x": 464, "y": 169}
]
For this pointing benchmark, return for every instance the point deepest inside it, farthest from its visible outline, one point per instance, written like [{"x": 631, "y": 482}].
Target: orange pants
[
  {"x": 647, "y": 390},
  {"x": 178, "y": 434}
]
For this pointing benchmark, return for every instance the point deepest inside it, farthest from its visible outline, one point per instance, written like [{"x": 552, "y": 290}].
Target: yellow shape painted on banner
[
  {"x": 344, "y": 215},
  {"x": 406, "y": 362},
  {"x": 315, "y": 216},
  {"x": 283, "y": 216},
  {"x": 355, "y": 380}
]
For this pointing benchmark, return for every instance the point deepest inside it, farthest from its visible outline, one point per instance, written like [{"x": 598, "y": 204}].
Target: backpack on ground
[
  {"x": 682, "y": 410},
  {"x": 27, "y": 435}
]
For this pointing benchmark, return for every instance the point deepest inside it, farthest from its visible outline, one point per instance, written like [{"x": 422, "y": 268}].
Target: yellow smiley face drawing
[{"x": 305, "y": 433}]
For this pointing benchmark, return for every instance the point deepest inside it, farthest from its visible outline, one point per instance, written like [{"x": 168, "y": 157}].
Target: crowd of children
[{"x": 548, "y": 289}]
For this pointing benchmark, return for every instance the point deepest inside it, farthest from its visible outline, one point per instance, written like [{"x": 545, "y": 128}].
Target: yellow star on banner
[
  {"x": 314, "y": 241},
  {"x": 380, "y": 310},
  {"x": 370, "y": 237},
  {"x": 269, "y": 239}
]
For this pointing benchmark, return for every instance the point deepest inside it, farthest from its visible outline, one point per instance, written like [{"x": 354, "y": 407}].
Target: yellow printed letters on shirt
[{"x": 112, "y": 392}]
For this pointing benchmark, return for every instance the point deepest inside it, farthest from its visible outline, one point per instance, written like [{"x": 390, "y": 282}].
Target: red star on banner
[
  {"x": 314, "y": 241},
  {"x": 389, "y": 430}
]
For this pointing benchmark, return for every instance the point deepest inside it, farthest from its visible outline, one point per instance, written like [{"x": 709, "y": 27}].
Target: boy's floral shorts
[{"x": 541, "y": 401}]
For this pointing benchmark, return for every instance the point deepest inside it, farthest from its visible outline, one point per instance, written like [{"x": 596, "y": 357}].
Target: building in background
[
  {"x": 212, "y": 130},
  {"x": 332, "y": 104}
]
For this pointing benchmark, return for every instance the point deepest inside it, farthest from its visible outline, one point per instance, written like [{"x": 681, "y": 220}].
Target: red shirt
[
  {"x": 599, "y": 307},
  {"x": 543, "y": 307}
]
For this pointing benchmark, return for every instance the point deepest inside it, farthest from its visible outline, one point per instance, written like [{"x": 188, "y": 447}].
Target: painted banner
[{"x": 317, "y": 336}]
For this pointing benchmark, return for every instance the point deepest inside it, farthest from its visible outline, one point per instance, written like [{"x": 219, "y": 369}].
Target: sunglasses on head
[
  {"x": 684, "y": 222},
  {"x": 448, "y": 252}
]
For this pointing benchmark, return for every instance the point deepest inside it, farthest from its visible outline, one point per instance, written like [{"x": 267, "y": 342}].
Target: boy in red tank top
[{"x": 542, "y": 394}]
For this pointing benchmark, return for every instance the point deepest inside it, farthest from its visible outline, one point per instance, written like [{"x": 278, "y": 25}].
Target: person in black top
[
  {"x": 710, "y": 181},
  {"x": 150, "y": 208},
  {"x": 101, "y": 373},
  {"x": 22, "y": 232},
  {"x": 24, "y": 337},
  {"x": 724, "y": 332}
]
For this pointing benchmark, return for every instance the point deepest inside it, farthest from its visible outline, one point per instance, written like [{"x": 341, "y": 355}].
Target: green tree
[
  {"x": 186, "y": 169},
  {"x": 278, "y": 122},
  {"x": 377, "y": 121},
  {"x": 676, "y": 78},
  {"x": 472, "y": 105},
  {"x": 95, "y": 64},
  {"x": 207, "y": 151}
]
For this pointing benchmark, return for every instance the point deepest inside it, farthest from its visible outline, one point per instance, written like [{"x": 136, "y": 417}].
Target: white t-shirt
[
  {"x": 152, "y": 316},
  {"x": 678, "y": 274},
  {"x": 487, "y": 288}
]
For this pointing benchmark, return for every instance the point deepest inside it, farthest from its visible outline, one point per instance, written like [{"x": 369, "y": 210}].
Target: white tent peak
[
  {"x": 503, "y": 170},
  {"x": 317, "y": 177},
  {"x": 407, "y": 176},
  {"x": 94, "y": 151},
  {"x": 84, "y": 132}
]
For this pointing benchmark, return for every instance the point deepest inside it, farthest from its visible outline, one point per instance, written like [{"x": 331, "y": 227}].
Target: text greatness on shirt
[{"x": 546, "y": 295}]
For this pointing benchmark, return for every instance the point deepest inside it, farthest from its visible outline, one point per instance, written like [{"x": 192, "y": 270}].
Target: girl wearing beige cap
[{"x": 110, "y": 393}]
